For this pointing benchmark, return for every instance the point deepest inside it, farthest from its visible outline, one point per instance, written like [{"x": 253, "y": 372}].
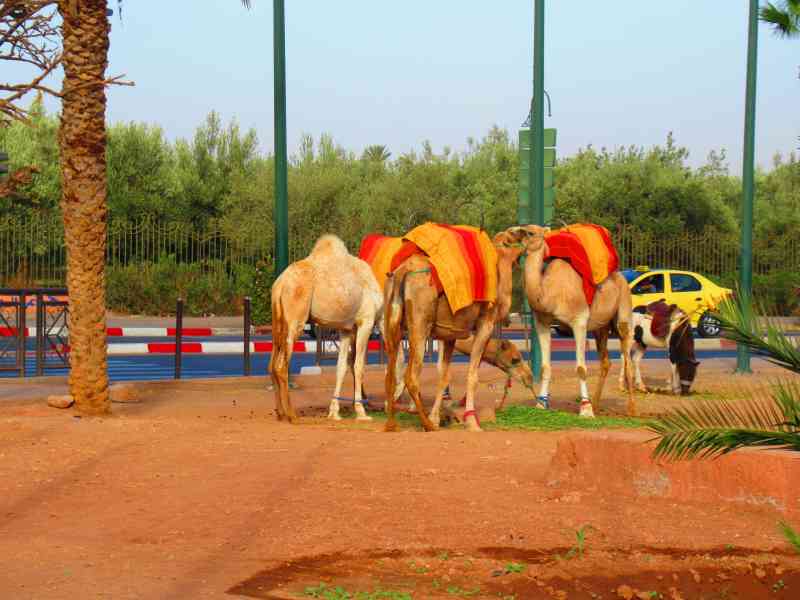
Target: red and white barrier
[{"x": 374, "y": 345}]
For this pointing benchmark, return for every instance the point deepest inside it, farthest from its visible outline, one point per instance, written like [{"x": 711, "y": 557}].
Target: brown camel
[
  {"x": 336, "y": 290},
  {"x": 555, "y": 293},
  {"x": 412, "y": 302}
]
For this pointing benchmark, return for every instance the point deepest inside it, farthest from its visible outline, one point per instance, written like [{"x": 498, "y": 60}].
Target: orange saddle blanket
[
  {"x": 463, "y": 257},
  {"x": 589, "y": 250}
]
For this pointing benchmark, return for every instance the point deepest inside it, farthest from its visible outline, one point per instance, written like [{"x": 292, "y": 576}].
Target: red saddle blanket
[{"x": 589, "y": 250}]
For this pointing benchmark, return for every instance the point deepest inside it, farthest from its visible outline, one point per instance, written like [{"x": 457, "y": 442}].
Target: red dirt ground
[{"x": 196, "y": 492}]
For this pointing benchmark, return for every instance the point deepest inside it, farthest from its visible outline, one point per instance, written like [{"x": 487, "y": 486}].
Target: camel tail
[
  {"x": 279, "y": 331},
  {"x": 393, "y": 298}
]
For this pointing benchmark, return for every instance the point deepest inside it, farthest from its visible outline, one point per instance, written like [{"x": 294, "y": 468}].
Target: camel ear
[{"x": 546, "y": 230}]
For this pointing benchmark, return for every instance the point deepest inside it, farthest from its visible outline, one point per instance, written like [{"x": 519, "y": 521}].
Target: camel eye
[{"x": 515, "y": 361}]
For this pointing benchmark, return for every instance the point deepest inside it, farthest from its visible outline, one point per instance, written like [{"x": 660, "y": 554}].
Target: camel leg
[
  {"x": 625, "y": 340},
  {"x": 443, "y": 367},
  {"x": 482, "y": 336},
  {"x": 400, "y": 367},
  {"x": 362, "y": 338},
  {"x": 675, "y": 380},
  {"x": 391, "y": 384},
  {"x": 579, "y": 330},
  {"x": 345, "y": 339},
  {"x": 416, "y": 356},
  {"x": 543, "y": 334},
  {"x": 601, "y": 340},
  {"x": 295, "y": 330},
  {"x": 636, "y": 359},
  {"x": 279, "y": 379}
]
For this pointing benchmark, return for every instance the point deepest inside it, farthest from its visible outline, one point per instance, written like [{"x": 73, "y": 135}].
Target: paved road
[{"x": 154, "y": 367}]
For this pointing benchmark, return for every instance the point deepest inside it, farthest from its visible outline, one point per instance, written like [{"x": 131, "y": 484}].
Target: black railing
[{"x": 51, "y": 338}]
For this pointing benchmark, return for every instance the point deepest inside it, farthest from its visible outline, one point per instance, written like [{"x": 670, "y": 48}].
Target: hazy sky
[{"x": 398, "y": 73}]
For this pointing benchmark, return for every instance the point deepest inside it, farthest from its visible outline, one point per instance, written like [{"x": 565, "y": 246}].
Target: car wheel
[{"x": 708, "y": 326}]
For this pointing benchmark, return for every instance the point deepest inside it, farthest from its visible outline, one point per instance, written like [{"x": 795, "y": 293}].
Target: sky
[{"x": 399, "y": 73}]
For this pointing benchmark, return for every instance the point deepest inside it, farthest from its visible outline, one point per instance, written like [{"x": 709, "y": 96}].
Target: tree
[
  {"x": 376, "y": 153},
  {"x": 784, "y": 18},
  {"x": 28, "y": 36},
  {"x": 82, "y": 141}
]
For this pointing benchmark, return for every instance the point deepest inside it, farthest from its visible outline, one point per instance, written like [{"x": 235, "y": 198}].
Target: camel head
[
  {"x": 509, "y": 359},
  {"x": 526, "y": 239}
]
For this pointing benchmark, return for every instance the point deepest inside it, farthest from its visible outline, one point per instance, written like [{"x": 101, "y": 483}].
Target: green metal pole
[
  {"x": 748, "y": 166},
  {"x": 536, "y": 172},
  {"x": 281, "y": 209}
]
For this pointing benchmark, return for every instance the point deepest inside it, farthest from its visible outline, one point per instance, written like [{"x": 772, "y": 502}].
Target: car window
[
  {"x": 654, "y": 284},
  {"x": 684, "y": 283}
]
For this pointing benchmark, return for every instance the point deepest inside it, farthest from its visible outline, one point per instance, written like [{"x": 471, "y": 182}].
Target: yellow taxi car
[{"x": 694, "y": 294}]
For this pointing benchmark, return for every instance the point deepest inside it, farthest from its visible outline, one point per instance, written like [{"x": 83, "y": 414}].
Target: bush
[
  {"x": 259, "y": 292},
  {"x": 153, "y": 288}
]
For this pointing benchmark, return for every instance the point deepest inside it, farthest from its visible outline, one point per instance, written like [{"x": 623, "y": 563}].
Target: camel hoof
[
  {"x": 335, "y": 417},
  {"x": 363, "y": 418},
  {"x": 587, "y": 411},
  {"x": 390, "y": 426},
  {"x": 471, "y": 424}
]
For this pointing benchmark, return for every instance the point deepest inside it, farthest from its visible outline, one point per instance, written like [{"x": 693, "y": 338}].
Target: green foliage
[
  {"x": 217, "y": 183},
  {"x": 153, "y": 288},
  {"x": 652, "y": 190},
  {"x": 534, "y": 419},
  {"x": 784, "y": 17},
  {"x": 259, "y": 292},
  {"x": 514, "y": 567},
  {"x": 790, "y": 534},
  {"x": 325, "y": 592}
]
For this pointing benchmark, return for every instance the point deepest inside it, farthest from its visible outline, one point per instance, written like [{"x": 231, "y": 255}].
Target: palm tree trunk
[{"x": 82, "y": 142}]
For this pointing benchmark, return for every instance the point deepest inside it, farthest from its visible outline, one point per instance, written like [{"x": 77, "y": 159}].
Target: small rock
[
  {"x": 625, "y": 592},
  {"x": 674, "y": 594},
  {"x": 123, "y": 393},
  {"x": 779, "y": 570},
  {"x": 561, "y": 595},
  {"x": 64, "y": 401},
  {"x": 761, "y": 573},
  {"x": 644, "y": 595},
  {"x": 695, "y": 575}
]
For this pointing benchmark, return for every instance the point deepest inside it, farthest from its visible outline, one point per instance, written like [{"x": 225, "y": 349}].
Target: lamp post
[
  {"x": 281, "y": 209},
  {"x": 748, "y": 165},
  {"x": 536, "y": 172}
]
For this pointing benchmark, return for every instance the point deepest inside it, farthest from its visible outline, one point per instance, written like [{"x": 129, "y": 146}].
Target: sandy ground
[{"x": 196, "y": 491}]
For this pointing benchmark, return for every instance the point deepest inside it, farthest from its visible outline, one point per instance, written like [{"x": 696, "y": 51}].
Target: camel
[
  {"x": 336, "y": 290},
  {"x": 411, "y": 301},
  {"x": 554, "y": 292},
  {"x": 678, "y": 339}
]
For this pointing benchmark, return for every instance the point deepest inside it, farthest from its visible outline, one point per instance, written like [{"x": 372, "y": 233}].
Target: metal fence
[{"x": 32, "y": 248}]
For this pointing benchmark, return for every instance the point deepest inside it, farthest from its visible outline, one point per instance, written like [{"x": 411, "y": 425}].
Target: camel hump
[{"x": 329, "y": 245}]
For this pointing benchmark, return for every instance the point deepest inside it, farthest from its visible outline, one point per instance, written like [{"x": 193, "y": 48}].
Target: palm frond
[
  {"x": 739, "y": 324},
  {"x": 785, "y": 20},
  {"x": 712, "y": 429},
  {"x": 790, "y": 534}
]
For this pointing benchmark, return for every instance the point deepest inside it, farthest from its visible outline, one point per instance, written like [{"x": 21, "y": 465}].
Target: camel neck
[
  {"x": 533, "y": 278},
  {"x": 504, "y": 286}
]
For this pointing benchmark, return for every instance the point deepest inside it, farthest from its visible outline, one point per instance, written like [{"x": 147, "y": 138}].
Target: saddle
[{"x": 662, "y": 316}]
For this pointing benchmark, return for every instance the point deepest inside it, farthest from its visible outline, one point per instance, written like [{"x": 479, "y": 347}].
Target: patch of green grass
[
  {"x": 578, "y": 547},
  {"x": 455, "y": 590},
  {"x": 513, "y": 567},
  {"x": 535, "y": 419},
  {"x": 324, "y": 592}
]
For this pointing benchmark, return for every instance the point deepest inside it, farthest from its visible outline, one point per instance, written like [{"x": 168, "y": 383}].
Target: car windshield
[{"x": 631, "y": 274}]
